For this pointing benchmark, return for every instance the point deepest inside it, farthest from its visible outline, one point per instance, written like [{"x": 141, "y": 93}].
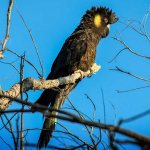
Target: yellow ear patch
[{"x": 97, "y": 20}]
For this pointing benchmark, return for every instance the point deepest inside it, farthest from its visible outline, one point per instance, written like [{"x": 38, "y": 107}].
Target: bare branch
[
  {"x": 11, "y": 64},
  {"x": 135, "y": 117},
  {"x": 72, "y": 135},
  {"x": 21, "y": 93},
  {"x": 129, "y": 73},
  {"x": 126, "y": 47},
  {"x": 10, "y": 130},
  {"x": 104, "y": 109},
  {"x": 117, "y": 55},
  {"x": 82, "y": 117},
  {"x": 55, "y": 147},
  {"x": 33, "y": 41},
  {"x": 6, "y": 143},
  {"x": 33, "y": 84},
  {"x": 134, "y": 89},
  {"x": 74, "y": 118},
  {"x": 7, "y": 27},
  {"x": 11, "y": 51}
]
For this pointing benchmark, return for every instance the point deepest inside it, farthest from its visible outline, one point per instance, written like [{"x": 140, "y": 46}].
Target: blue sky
[{"x": 51, "y": 22}]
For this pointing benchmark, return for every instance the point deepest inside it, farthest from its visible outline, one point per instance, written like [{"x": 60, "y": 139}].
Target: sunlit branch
[{"x": 33, "y": 84}]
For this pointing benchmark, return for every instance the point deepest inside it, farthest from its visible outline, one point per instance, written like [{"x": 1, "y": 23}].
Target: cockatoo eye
[{"x": 106, "y": 20}]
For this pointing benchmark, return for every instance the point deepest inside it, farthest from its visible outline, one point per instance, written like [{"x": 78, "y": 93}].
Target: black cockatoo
[{"x": 78, "y": 52}]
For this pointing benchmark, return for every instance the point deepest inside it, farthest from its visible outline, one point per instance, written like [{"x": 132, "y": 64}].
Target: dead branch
[
  {"x": 6, "y": 143},
  {"x": 129, "y": 73},
  {"x": 56, "y": 147},
  {"x": 126, "y": 47},
  {"x": 21, "y": 95},
  {"x": 73, "y": 136},
  {"x": 82, "y": 117},
  {"x": 33, "y": 41},
  {"x": 133, "y": 89},
  {"x": 33, "y": 84},
  {"x": 140, "y": 29},
  {"x": 67, "y": 116},
  {"x": 26, "y": 60},
  {"x": 135, "y": 117},
  {"x": 10, "y": 130},
  {"x": 7, "y": 27}
]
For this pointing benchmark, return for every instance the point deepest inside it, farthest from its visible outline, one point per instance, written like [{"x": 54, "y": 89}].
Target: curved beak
[{"x": 108, "y": 26}]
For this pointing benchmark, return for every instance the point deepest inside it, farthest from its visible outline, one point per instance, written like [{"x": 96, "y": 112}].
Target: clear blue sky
[{"x": 51, "y": 22}]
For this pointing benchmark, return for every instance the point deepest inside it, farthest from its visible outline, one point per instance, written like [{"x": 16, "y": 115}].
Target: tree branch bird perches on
[{"x": 78, "y": 52}]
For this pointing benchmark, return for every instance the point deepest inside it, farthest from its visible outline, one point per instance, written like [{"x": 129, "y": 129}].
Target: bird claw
[
  {"x": 91, "y": 72},
  {"x": 80, "y": 72},
  {"x": 94, "y": 69}
]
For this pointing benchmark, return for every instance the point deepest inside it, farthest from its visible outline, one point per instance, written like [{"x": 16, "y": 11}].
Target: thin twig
[
  {"x": 94, "y": 107},
  {"x": 11, "y": 51},
  {"x": 133, "y": 75},
  {"x": 100, "y": 137},
  {"x": 134, "y": 89},
  {"x": 117, "y": 55},
  {"x": 21, "y": 94},
  {"x": 6, "y": 143},
  {"x": 17, "y": 130},
  {"x": 11, "y": 64},
  {"x": 7, "y": 27},
  {"x": 82, "y": 117},
  {"x": 93, "y": 117},
  {"x": 73, "y": 118},
  {"x": 10, "y": 130},
  {"x": 103, "y": 100},
  {"x": 55, "y": 147},
  {"x": 135, "y": 117},
  {"x": 129, "y": 49},
  {"x": 8, "y": 121},
  {"x": 33, "y": 41},
  {"x": 73, "y": 135}
]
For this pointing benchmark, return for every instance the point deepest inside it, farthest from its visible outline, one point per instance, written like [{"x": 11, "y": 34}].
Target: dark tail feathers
[{"x": 46, "y": 134}]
